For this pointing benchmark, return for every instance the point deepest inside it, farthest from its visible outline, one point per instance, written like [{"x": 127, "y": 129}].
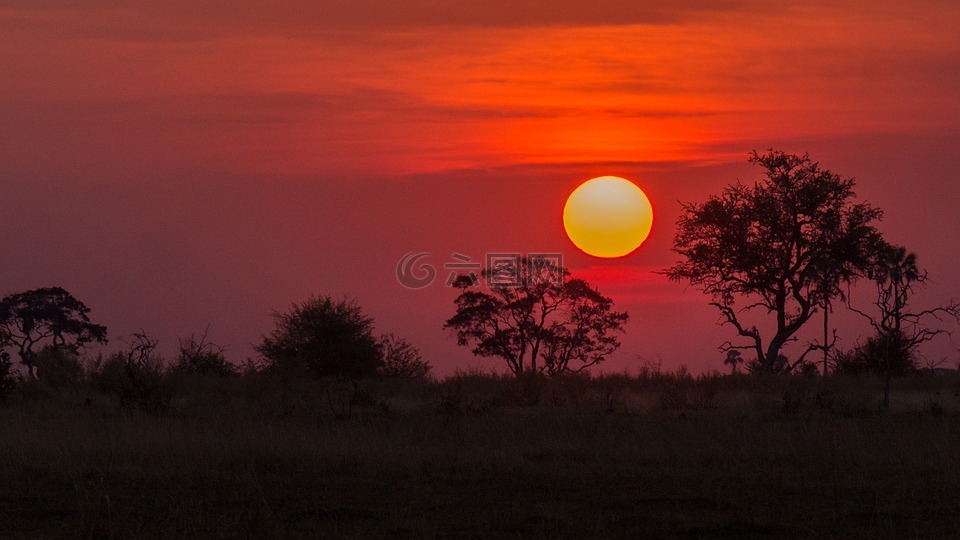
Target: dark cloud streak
[{"x": 151, "y": 20}]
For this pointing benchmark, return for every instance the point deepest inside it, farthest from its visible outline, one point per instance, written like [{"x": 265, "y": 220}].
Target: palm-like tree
[
  {"x": 896, "y": 274},
  {"x": 733, "y": 358}
]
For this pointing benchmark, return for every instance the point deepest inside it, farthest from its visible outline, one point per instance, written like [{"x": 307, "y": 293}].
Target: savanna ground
[{"x": 480, "y": 456}]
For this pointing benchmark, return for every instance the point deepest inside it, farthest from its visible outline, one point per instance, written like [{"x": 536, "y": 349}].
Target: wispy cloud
[
  {"x": 426, "y": 86},
  {"x": 186, "y": 19}
]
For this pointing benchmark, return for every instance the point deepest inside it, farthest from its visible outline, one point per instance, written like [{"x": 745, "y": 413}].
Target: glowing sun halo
[{"x": 608, "y": 217}]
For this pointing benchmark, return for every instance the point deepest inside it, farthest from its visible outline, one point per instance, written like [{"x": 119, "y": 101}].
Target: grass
[{"x": 480, "y": 456}]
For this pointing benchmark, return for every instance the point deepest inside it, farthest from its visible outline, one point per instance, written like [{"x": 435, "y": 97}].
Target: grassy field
[{"x": 482, "y": 457}]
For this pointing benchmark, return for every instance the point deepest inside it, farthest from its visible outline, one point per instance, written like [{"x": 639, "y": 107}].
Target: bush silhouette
[
  {"x": 200, "y": 356},
  {"x": 330, "y": 337},
  {"x": 400, "y": 359},
  {"x": 58, "y": 368}
]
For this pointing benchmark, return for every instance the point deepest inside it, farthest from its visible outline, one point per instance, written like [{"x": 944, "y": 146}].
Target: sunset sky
[{"x": 181, "y": 163}]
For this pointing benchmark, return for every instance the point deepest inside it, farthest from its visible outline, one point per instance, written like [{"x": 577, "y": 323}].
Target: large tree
[
  {"x": 537, "y": 324},
  {"x": 782, "y": 246},
  {"x": 47, "y": 317}
]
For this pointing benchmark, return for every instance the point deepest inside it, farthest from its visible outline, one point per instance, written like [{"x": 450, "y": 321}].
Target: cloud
[
  {"x": 176, "y": 19},
  {"x": 315, "y": 86},
  {"x": 630, "y": 284}
]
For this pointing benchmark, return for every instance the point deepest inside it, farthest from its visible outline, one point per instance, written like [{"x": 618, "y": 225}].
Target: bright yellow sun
[{"x": 608, "y": 217}]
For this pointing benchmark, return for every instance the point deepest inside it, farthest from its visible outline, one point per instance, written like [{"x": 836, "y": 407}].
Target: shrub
[
  {"x": 58, "y": 368},
  {"x": 871, "y": 357},
  {"x": 7, "y": 378},
  {"x": 197, "y": 355},
  {"x": 401, "y": 360},
  {"x": 135, "y": 376},
  {"x": 330, "y": 337}
]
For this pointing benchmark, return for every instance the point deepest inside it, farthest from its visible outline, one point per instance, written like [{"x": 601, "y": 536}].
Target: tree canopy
[
  {"x": 782, "y": 246},
  {"x": 537, "y": 325},
  {"x": 46, "y": 317}
]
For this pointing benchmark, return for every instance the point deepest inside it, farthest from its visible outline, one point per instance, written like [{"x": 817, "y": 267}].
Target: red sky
[{"x": 182, "y": 163}]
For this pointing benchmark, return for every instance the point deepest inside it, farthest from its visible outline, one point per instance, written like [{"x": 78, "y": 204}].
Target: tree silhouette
[
  {"x": 785, "y": 244},
  {"x": 135, "y": 374},
  {"x": 200, "y": 355},
  {"x": 899, "y": 331},
  {"x": 47, "y": 317},
  {"x": 884, "y": 355},
  {"x": 58, "y": 368},
  {"x": 400, "y": 359},
  {"x": 732, "y": 359},
  {"x": 7, "y": 377},
  {"x": 330, "y": 337},
  {"x": 537, "y": 324}
]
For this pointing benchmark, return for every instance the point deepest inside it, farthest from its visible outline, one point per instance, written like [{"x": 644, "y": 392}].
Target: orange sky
[
  {"x": 271, "y": 92},
  {"x": 216, "y": 158}
]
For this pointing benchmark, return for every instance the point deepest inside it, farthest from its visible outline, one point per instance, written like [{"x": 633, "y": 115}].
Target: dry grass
[{"x": 482, "y": 457}]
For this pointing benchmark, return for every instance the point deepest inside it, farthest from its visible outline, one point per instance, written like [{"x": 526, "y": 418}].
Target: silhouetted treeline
[{"x": 787, "y": 247}]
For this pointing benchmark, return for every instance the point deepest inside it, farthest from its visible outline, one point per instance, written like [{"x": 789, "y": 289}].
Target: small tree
[
  {"x": 900, "y": 330},
  {"x": 733, "y": 359},
  {"x": 134, "y": 374},
  {"x": 330, "y": 337},
  {"x": 401, "y": 360},
  {"x": 785, "y": 244},
  {"x": 199, "y": 355},
  {"x": 536, "y": 324},
  {"x": 48, "y": 317}
]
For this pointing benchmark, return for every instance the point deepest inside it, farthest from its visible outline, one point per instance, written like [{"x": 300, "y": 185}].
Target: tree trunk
[
  {"x": 26, "y": 358},
  {"x": 892, "y": 339},
  {"x": 773, "y": 353},
  {"x": 887, "y": 353},
  {"x": 886, "y": 383},
  {"x": 826, "y": 348}
]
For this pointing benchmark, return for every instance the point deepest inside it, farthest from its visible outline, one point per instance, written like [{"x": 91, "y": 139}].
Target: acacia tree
[
  {"x": 785, "y": 245},
  {"x": 537, "y": 324},
  {"x": 899, "y": 330},
  {"x": 47, "y": 317}
]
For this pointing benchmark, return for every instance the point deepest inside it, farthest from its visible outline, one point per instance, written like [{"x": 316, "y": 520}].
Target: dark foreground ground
[{"x": 482, "y": 458}]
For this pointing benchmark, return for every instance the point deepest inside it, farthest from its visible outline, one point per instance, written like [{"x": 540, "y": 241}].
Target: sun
[{"x": 608, "y": 217}]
